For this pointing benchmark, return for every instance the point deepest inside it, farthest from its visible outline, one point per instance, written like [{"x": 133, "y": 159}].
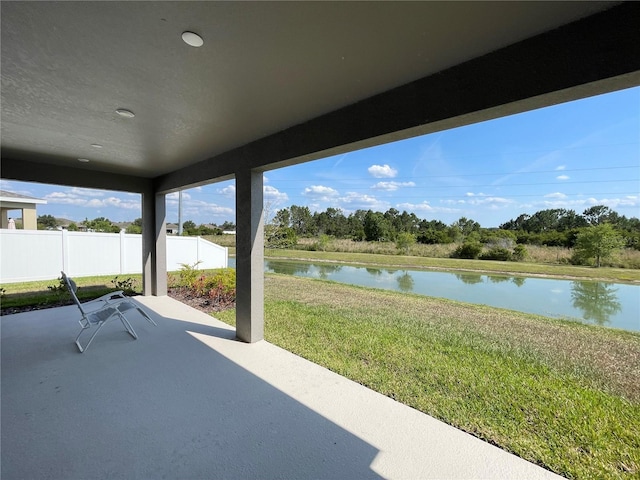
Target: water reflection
[
  {"x": 597, "y": 300},
  {"x": 325, "y": 270},
  {"x": 519, "y": 281},
  {"x": 469, "y": 278},
  {"x": 374, "y": 271},
  {"x": 405, "y": 282},
  {"x": 288, "y": 268}
]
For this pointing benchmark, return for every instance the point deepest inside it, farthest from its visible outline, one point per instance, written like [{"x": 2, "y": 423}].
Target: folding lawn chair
[{"x": 99, "y": 311}]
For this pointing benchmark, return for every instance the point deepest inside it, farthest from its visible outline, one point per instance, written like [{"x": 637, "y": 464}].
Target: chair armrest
[{"x": 112, "y": 296}]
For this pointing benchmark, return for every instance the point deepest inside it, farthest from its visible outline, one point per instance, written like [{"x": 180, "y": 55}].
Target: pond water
[{"x": 600, "y": 303}]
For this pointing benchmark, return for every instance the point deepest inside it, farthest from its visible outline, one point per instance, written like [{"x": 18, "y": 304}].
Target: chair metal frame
[{"x": 99, "y": 311}]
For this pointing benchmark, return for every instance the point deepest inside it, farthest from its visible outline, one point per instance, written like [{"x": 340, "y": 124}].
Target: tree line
[{"x": 552, "y": 227}]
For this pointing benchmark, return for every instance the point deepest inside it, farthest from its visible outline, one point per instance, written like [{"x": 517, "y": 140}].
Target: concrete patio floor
[{"x": 187, "y": 401}]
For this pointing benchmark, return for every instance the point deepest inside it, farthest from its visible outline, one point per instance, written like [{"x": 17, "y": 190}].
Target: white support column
[
  {"x": 249, "y": 257},
  {"x": 154, "y": 244}
]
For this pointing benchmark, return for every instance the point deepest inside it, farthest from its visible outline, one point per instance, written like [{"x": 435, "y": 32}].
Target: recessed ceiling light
[
  {"x": 83, "y": 160},
  {"x": 192, "y": 39},
  {"x": 123, "y": 112},
  {"x": 96, "y": 145}
]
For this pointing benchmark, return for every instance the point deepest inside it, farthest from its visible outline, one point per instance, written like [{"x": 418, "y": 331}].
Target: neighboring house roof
[{"x": 8, "y": 198}]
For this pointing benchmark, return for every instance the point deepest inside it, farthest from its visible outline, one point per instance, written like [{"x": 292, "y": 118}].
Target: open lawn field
[{"x": 560, "y": 394}]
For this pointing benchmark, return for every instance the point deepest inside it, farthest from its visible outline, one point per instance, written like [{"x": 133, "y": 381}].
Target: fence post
[
  {"x": 122, "y": 252},
  {"x": 65, "y": 252},
  {"x": 198, "y": 251}
]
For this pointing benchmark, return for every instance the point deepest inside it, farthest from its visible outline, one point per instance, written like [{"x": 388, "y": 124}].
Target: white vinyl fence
[{"x": 27, "y": 255}]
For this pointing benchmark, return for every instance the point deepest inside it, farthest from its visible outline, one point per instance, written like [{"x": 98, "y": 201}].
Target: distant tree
[
  {"x": 599, "y": 242},
  {"x": 228, "y": 226},
  {"x": 465, "y": 227},
  {"x": 301, "y": 220},
  {"x": 135, "y": 227},
  {"x": 283, "y": 218},
  {"x": 404, "y": 241},
  {"x": 598, "y": 214},
  {"x": 376, "y": 227},
  {"x": 101, "y": 224},
  {"x": 72, "y": 227},
  {"x": 189, "y": 228},
  {"x": 46, "y": 222}
]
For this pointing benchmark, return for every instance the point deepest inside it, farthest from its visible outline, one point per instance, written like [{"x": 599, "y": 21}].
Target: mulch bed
[{"x": 204, "y": 304}]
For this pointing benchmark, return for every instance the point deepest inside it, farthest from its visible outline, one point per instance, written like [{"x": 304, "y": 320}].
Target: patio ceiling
[{"x": 277, "y": 83}]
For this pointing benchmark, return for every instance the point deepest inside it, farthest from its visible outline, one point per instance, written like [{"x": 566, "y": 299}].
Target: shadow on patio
[{"x": 188, "y": 401}]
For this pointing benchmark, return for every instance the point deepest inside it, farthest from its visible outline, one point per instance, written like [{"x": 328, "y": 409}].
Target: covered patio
[
  {"x": 106, "y": 95},
  {"x": 187, "y": 400}
]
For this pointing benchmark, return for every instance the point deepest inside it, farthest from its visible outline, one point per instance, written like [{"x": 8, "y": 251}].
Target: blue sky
[{"x": 572, "y": 156}]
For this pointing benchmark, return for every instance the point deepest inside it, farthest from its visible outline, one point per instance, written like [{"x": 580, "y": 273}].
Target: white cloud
[
  {"x": 481, "y": 199},
  {"x": 560, "y": 167},
  {"x": 265, "y": 179},
  {"x": 198, "y": 209},
  {"x": 382, "y": 171},
  {"x": 86, "y": 192},
  {"x": 228, "y": 191},
  {"x": 320, "y": 193},
  {"x": 425, "y": 207},
  {"x": 74, "y": 197},
  {"x": 557, "y": 195},
  {"x": 357, "y": 201},
  {"x": 172, "y": 198},
  {"x": 119, "y": 203},
  {"x": 491, "y": 201},
  {"x": 562, "y": 177},
  {"x": 579, "y": 203},
  {"x": 392, "y": 186},
  {"x": 273, "y": 194}
]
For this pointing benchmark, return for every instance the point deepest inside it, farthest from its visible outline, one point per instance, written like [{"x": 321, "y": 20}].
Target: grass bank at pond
[
  {"x": 455, "y": 264},
  {"x": 560, "y": 394}
]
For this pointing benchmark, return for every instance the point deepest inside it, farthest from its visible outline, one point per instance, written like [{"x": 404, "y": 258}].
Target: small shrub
[
  {"x": 60, "y": 288},
  {"x": 520, "y": 253},
  {"x": 218, "y": 287},
  {"x": 405, "y": 241},
  {"x": 126, "y": 285},
  {"x": 189, "y": 274},
  {"x": 497, "y": 253},
  {"x": 468, "y": 250},
  {"x": 322, "y": 243}
]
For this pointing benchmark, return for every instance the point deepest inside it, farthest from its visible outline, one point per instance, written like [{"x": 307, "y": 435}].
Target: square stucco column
[
  {"x": 29, "y": 219},
  {"x": 249, "y": 257},
  {"x": 154, "y": 244}
]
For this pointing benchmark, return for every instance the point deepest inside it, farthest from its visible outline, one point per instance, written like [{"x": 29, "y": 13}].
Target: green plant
[
  {"x": 60, "y": 288},
  {"x": 405, "y": 241},
  {"x": 322, "y": 243},
  {"x": 126, "y": 285},
  {"x": 520, "y": 252},
  {"x": 189, "y": 274},
  {"x": 598, "y": 242},
  {"x": 468, "y": 250},
  {"x": 497, "y": 253}
]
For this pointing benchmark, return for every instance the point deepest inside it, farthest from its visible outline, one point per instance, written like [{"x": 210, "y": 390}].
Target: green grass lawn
[{"x": 560, "y": 394}]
